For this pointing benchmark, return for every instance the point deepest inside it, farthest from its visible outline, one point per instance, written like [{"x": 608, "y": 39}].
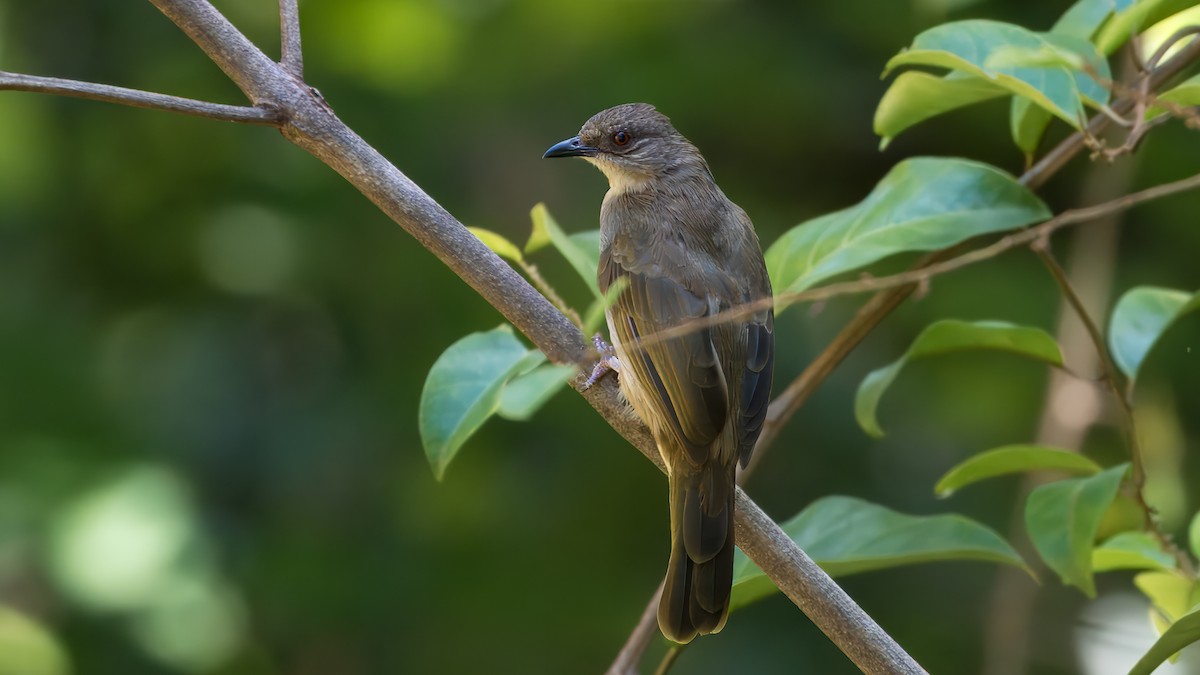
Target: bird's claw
[{"x": 608, "y": 362}]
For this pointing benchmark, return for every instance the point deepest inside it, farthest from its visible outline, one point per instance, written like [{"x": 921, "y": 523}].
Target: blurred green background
[{"x": 211, "y": 347}]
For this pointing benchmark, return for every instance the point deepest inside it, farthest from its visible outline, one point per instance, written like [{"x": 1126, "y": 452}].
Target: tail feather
[{"x": 695, "y": 599}]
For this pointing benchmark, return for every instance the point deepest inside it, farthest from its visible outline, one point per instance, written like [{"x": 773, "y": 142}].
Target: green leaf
[
  {"x": 539, "y": 237},
  {"x": 1182, "y": 633},
  {"x": 594, "y": 316},
  {"x": 923, "y": 204},
  {"x": 1194, "y": 535},
  {"x": 576, "y": 248},
  {"x": 1172, "y": 597},
  {"x": 1028, "y": 123},
  {"x": 1085, "y": 17},
  {"x": 944, "y": 337},
  {"x": 846, "y": 536},
  {"x": 463, "y": 389},
  {"x": 503, "y": 247},
  {"x": 28, "y": 647},
  {"x": 525, "y": 394},
  {"x": 1133, "y": 19},
  {"x": 588, "y": 243},
  {"x": 1012, "y": 459},
  {"x": 915, "y": 96},
  {"x": 1131, "y": 551},
  {"x": 1186, "y": 94},
  {"x": 1063, "y": 517},
  {"x": 1171, "y": 593},
  {"x": 1140, "y": 318},
  {"x": 1015, "y": 58}
]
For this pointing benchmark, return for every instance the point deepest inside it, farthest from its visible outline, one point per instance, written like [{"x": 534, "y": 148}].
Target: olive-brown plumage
[{"x": 683, "y": 251}]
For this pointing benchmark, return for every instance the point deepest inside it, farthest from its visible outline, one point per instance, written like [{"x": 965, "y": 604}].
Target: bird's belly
[{"x": 635, "y": 393}]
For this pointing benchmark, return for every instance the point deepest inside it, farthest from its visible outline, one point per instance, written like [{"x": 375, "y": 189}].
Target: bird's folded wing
[{"x": 681, "y": 375}]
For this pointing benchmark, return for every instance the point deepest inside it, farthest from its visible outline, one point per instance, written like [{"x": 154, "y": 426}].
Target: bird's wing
[
  {"x": 756, "y": 380},
  {"x": 681, "y": 376}
]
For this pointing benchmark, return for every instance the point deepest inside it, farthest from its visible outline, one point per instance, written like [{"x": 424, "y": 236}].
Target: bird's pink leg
[{"x": 608, "y": 363}]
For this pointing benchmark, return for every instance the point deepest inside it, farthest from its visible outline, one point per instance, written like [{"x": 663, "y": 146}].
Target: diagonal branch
[
  {"x": 137, "y": 98},
  {"x": 291, "y": 55}
]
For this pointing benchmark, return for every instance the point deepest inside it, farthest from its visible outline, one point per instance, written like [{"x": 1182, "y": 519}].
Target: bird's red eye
[{"x": 622, "y": 138}]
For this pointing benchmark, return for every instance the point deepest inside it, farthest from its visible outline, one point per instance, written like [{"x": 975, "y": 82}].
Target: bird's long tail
[{"x": 695, "y": 597}]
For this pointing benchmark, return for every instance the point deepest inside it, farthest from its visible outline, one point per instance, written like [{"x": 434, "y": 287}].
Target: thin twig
[
  {"x": 547, "y": 290},
  {"x": 291, "y": 56},
  {"x": 140, "y": 99},
  {"x": 1113, "y": 379}
]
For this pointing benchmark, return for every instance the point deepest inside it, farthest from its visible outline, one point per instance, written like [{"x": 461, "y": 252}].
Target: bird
[{"x": 677, "y": 250}]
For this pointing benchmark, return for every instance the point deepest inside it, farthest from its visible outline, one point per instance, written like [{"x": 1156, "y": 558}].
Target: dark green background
[{"x": 287, "y": 408}]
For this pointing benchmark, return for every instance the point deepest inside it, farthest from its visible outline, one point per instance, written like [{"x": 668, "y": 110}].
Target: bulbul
[{"x": 683, "y": 252}]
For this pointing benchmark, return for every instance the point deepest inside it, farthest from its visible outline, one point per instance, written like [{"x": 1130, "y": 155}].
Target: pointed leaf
[
  {"x": 1171, "y": 593},
  {"x": 1185, "y": 95},
  {"x": 463, "y": 389},
  {"x": 525, "y": 394},
  {"x": 1027, "y": 123},
  {"x": 946, "y": 337},
  {"x": 987, "y": 49},
  {"x": 1063, "y": 517},
  {"x": 1133, "y": 19},
  {"x": 1182, "y": 633},
  {"x": 588, "y": 242},
  {"x": 575, "y": 248},
  {"x": 1131, "y": 551},
  {"x": 1194, "y": 535},
  {"x": 1140, "y": 318},
  {"x": 915, "y": 96},
  {"x": 846, "y": 536},
  {"x": 1010, "y": 459},
  {"x": 1085, "y": 17},
  {"x": 502, "y": 247},
  {"x": 923, "y": 204}
]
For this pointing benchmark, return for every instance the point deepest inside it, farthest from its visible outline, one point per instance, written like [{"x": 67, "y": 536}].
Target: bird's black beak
[{"x": 572, "y": 147}]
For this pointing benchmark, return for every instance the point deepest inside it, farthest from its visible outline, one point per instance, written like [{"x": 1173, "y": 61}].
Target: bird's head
[{"x": 632, "y": 144}]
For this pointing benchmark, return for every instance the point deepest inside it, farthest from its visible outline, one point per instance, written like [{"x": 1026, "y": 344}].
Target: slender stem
[
  {"x": 140, "y": 99},
  {"x": 547, "y": 290},
  {"x": 291, "y": 55},
  {"x": 1112, "y": 378}
]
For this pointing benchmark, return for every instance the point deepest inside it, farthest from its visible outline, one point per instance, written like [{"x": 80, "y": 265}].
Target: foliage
[{"x": 211, "y": 351}]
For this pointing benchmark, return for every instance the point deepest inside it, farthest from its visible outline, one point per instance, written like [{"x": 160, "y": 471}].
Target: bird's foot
[{"x": 608, "y": 362}]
